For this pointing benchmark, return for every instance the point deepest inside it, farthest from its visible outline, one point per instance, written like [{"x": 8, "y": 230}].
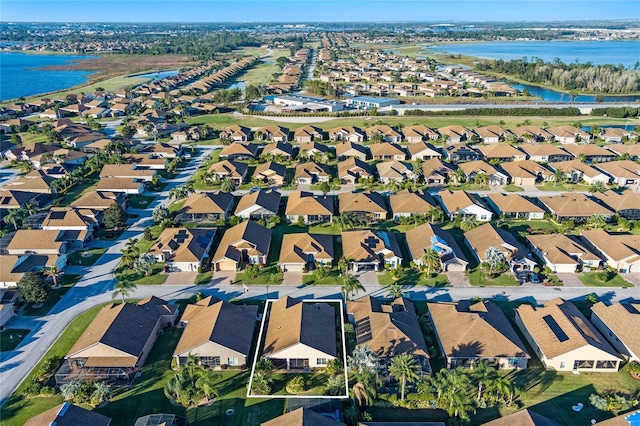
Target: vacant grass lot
[
  {"x": 590, "y": 279},
  {"x": 11, "y": 337},
  {"x": 85, "y": 257}
]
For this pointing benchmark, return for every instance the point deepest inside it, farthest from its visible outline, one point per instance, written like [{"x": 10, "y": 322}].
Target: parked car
[{"x": 534, "y": 278}]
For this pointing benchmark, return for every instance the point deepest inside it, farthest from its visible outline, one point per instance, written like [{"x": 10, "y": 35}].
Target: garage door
[
  {"x": 292, "y": 267},
  {"x": 634, "y": 268},
  {"x": 226, "y": 265}
]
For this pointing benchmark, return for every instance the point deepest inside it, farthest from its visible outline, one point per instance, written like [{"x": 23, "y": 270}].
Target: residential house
[
  {"x": 623, "y": 172},
  {"x": 270, "y": 173},
  {"x": 236, "y": 133},
  {"x": 573, "y": 206},
  {"x": 470, "y": 332},
  {"x": 389, "y": 330},
  {"x": 306, "y": 134},
  {"x": 351, "y": 170},
  {"x": 632, "y": 151},
  {"x": 454, "y": 134},
  {"x": 244, "y": 244},
  {"x": 435, "y": 172},
  {"x": 348, "y": 149},
  {"x": 621, "y": 251},
  {"x": 486, "y": 236},
  {"x": 422, "y": 151},
  {"x": 68, "y": 414},
  {"x": 15, "y": 199},
  {"x": 613, "y": 321},
  {"x": 227, "y": 169},
  {"x": 312, "y": 208},
  {"x": 493, "y": 134},
  {"x": 545, "y": 153},
  {"x": 461, "y": 153},
  {"x": 562, "y": 253},
  {"x": 524, "y": 417},
  {"x": 514, "y": 206},
  {"x": 301, "y": 417},
  {"x": 259, "y": 205},
  {"x": 117, "y": 342},
  {"x": 502, "y": 152},
  {"x": 301, "y": 252},
  {"x": 127, "y": 171},
  {"x": 577, "y": 171},
  {"x": 278, "y": 150},
  {"x": 367, "y": 207},
  {"x": 473, "y": 169},
  {"x": 386, "y": 151},
  {"x": 162, "y": 150},
  {"x": 419, "y": 133},
  {"x": 371, "y": 250},
  {"x": 218, "y": 333},
  {"x": 146, "y": 161},
  {"x": 38, "y": 241},
  {"x": 428, "y": 236},
  {"x": 14, "y": 266},
  {"x": 273, "y": 133},
  {"x": 564, "y": 339},
  {"x": 32, "y": 153},
  {"x": 347, "y": 134},
  {"x": 300, "y": 334},
  {"x": 591, "y": 153},
  {"x": 121, "y": 185},
  {"x": 78, "y": 224},
  {"x": 205, "y": 207},
  {"x": 615, "y": 135},
  {"x": 463, "y": 203},
  {"x": 37, "y": 181},
  {"x": 311, "y": 173},
  {"x": 394, "y": 171},
  {"x": 384, "y": 132},
  {"x": 311, "y": 150},
  {"x": 240, "y": 151},
  {"x": 568, "y": 134},
  {"x": 407, "y": 203},
  {"x": 626, "y": 204},
  {"x": 527, "y": 172},
  {"x": 183, "y": 249}
]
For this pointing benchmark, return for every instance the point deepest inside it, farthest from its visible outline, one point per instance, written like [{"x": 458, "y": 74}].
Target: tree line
[{"x": 542, "y": 112}]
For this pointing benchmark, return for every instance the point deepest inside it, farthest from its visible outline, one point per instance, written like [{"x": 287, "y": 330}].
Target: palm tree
[
  {"x": 101, "y": 393},
  {"x": 598, "y": 186},
  {"x": 559, "y": 176},
  {"x": 502, "y": 387},
  {"x": 459, "y": 405},
  {"x": 206, "y": 382},
  {"x": 468, "y": 223},
  {"x": 123, "y": 288},
  {"x": 54, "y": 273},
  {"x": 346, "y": 221},
  {"x": 12, "y": 217},
  {"x": 431, "y": 259},
  {"x": 484, "y": 374},
  {"x": 362, "y": 359},
  {"x": 436, "y": 214},
  {"x": 68, "y": 390},
  {"x": 481, "y": 179},
  {"x": 227, "y": 185},
  {"x": 396, "y": 290},
  {"x": 350, "y": 285},
  {"x": 418, "y": 171},
  {"x": 344, "y": 264},
  {"x": 597, "y": 221},
  {"x": 404, "y": 368},
  {"x": 393, "y": 185}
]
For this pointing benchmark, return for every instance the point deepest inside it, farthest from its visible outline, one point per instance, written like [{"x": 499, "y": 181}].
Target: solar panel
[
  {"x": 56, "y": 215},
  {"x": 555, "y": 328},
  {"x": 371, "y": 242},
  {"x": 173, "y": 245}
]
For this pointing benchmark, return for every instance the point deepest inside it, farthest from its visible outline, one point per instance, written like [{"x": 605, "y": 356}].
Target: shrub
[
  {"x": 296, "y": 385},
  {"x": 335, "y": 366},
  {"x": 33, "y": 388}
]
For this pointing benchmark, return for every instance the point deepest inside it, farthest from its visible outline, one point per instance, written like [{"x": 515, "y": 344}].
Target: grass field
[
  {"x": 11, "y": 337},
  {"x": 589, "y": 279}
]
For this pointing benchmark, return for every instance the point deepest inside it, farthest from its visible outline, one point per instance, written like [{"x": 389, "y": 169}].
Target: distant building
[{"x": 367, "y": 102}]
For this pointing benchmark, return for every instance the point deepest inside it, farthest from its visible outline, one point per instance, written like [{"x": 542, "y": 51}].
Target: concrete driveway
[
  {"x": 292, "y": 278},
  {"x": 367, "y": 278},
  {"x": 458, "y": 279},
  {"x": 632, "y": 278},
  {"x": 223, "y": 278},
  {"x": 570, "y": 280},
  {"x": 181, "y": 278}
]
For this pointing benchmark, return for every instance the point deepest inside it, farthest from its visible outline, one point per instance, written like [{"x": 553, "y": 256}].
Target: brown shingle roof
[
  {"x": 371, "y": 202},
  {"x": 295, "y": 247},
  {"x": 618, "y": 317},
  {"x": 306, "y": 203},
  {"x": 301, "y": 417},
  {"x": 405, "y": 201},
  {"x": 513, "y": 203},
  {"x": 560, "y": 248},
  {"x": 573, "y": 205},
  {"x": 183, "y": 244},
  {"x": 523, "y": 418},
  {"x": 208, "y": 202},
  {"x": 248, "y": 236},
  {"x": 67, "y": 414}
]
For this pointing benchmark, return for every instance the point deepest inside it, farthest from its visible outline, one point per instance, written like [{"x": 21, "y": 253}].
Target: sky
[{"x": 314, "y": 10}]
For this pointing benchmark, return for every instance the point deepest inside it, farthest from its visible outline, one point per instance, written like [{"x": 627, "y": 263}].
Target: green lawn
[
  {"x": 71, "y": 194},
  {"x": 513, "y": 188},
  {"x": 11, "y": 337},
  {"x": 590, "y": 279},
  {"x": 414, "y": 278},
  {"x": 479, "y": 278},
  {"x": 549, "y": 186},
  {"x": 204, "y": 278},
  {"x": 263, "y": 277},
  {"x": 140, "y": 201},
  {"x": 123, "y": 273},
  {"x": 108, "y": 234},
  {"x": 315, "y": 383},
  {"x": 85, "y": 257},
  {"x": 333, "y": 278},
  {"x": 66, "y": 281},
  {"x": 143, "y": 244}
]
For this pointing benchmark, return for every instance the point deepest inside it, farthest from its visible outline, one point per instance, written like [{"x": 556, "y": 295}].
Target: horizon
[{"x": 320, "y": 11}]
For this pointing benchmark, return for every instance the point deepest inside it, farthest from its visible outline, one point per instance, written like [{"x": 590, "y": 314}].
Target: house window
[
  {"x": 606, "y": 364},
  {"x": 232, "y": 361},
  {"x": 210, "y": 361},
  {"x": 483, "y": 217},
  {"x": 563, "y": 364},
  {"x": 513, "y": 362},
  {"x": 582, "y": 364},
  {"x": 321, "y": 361}
]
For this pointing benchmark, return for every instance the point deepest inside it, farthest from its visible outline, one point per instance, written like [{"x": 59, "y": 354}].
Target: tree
[
  {"x": 484, "y": 374},
  {"x": 362, "y": 358},
  {"x": 68, "y": 390},
  {"x": 160, "y": 213},
  {"x": 431, "y": 259},
  {"x": 114, "y": 216},
  {"x": 54, "y": 273},
  {"x": 494, "y": 258},
  {"x": 251, "y": 92},
  {"x": 101, "y": 393},
  {"x": 404, "y": 368},
  {"x": 144, "y": 264},
  {"x": 559, "y": 176},
  {"x": 468, "y": 223},
  {"x": 33, "y": 288},
  {"x": 597, "y": 221},
  {"x": 481, "y": 179},
  {"x": 123, "y": 288},
  {"x": 436, "y": 214},
  {"x": 206, "y": 383},
  {"x": 325, "y": 188},
  {"x": 396, "y": 290},
  {"x": 346, "y": 221},
  {"x": 16, "y": 140},
  {"x": 227, "y": 185},
  {"x": 350, "y": 285},
  {"x": 598, "y": 186}
]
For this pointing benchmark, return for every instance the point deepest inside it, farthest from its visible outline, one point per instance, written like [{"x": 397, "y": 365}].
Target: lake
[
  {"x": 626, "y": 53},
  {"x": 19, "y": 78}
]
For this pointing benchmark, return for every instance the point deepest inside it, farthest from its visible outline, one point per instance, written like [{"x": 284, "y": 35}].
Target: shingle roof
[
  {"x": 246, "y": 235},
  {"x": 561, "y": 249},
  {"x": 361, "y": 201},
  {"x": 406, "y": 201},
  {"x": 524, "y": 417},
  {"x": 366, "y": 245},
  {"x": 488, "y": 235},
  {"x": 419, "y": 240},
  {"x": 618, "y": 202},
  {"x": 301, "y": 417},
  {"x": 573, "y": 205},
  {"x": 185, "y": 244},
  {"x": 615, "y": 246},
  {"x": 269, "y": 200},
  {"x": 67, "y": 414},
  {"x": 513, "y": 203},
  {"x": 306, "y": 203},
  {"x": 208, "y": 202},
  {"x": 295, "y": 247},
  {"x": 618, "y": 317}
]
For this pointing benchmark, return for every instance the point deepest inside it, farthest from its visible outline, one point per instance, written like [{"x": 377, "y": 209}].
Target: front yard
[
  {"x": 480, "y": 278},
  {"x": 613, "y": 280},
  {"x": 123, "y": 273},
  {"x": 85, "y": 257},
  {"x": 411, "y": 277},
  {"x": 140, "y": 201},
  {"x": 10, "y": 338}
]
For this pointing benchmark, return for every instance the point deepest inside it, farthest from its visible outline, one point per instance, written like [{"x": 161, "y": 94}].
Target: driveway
[
  {"x": 458, "y": 279},
  {"x": 632, "y": 278},
  {"x": 570, "y": 280},
  {"x": 368, "y": 278},
  {"x": 221, "y": 278},
  {"x": 292, "y": 278},
  {"x": 181, "y": 278}
]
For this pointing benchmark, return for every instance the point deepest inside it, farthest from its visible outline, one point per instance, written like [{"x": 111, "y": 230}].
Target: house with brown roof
[
  {"x": 301, "y": 417},
  {"x": 406, "y": 203},
  {"x": 389, "y": 330},
  {"x": 615, "y": 135},
  {"x": 577, "y": 171},
  {"x": 117, "y": 342},
  {"x": 527, "y": 172},
  {"x": 367, "y": 207},
  {"x": 564, "y": 339},
  {"x": 312, "y": 208},
  {"x": 386, "y": 151},
  {"x": 422, "y": 151},
  {"x": 623, "y": 172},
  {"x": 183, "y": 249},
  {"x": 514, "y": 206},
  {"x": 259, "y": 205},
  {"x": 419, "y": 133},
  {"x": 472, "y": 169},
  {"x": 301, "y": 252},
  {"x": 312, "y": 150},
  {"x": 236, "y": 133},
  {"x": 270, "y": 173},
  {"x": 461, "y": 153},
  {"x": 489, "y": 236},
  {"x": 127, "y": 171},
  {"x": 244, "y": 244},
  {"x": 300, "y": 334},
  {"x": 311, "y": 173},
  {"x": 428, "y": 236},
  {"x": 545, "y": 153},
  {"x": 573, "y": 206},
  {"x": 67, "y": 414},
  {"x": 36, "y": 181},
  {"x": 568, "y": 134},
  {"x": 346, "y": 134},
  {"x": 626, "y": 204},
  {"x": 492, "y": 134},
  {"x": 278, "y": 150},
  {"x": 38, "y": 241},
  {"x": 273, "y": 133},
  {"x": 454, "y": 134},
  {"x": 591, "y": 153},
  {"x": 468, "y": 333},
  {"x": 240, "y": 151},
  {"x": 386, "y": 133},
  {"x": 394, "y": 171},
  {"x": 563, "y": 253},
  {"x": 349, "y": 149},
  {"x": 371, "y": 250},
  {"x": 621, "y": 251},
  {"x": 524, "y": 417},
  {"x": 100, "y": 200},
  {"x": 613, "y": 322},
  {"x": 502, "y": 152},
  {"x": 228, "y": 169},
  {"x": 205, "y": 207},
  {"x": 218, "y": 333},
  {"x": 351, "y": 170},
  {"x": 463, "y": 203},
  {"x": 14, "y": 266},
  {"x": 632, "y": 151},
  {"x": 121, "y": 185},
  {"x": 435, "y": 172},
  {"x": 306, "y": 134},
  {"x": 146, "y": 161},
  {"x": 81, "y": 222}
]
